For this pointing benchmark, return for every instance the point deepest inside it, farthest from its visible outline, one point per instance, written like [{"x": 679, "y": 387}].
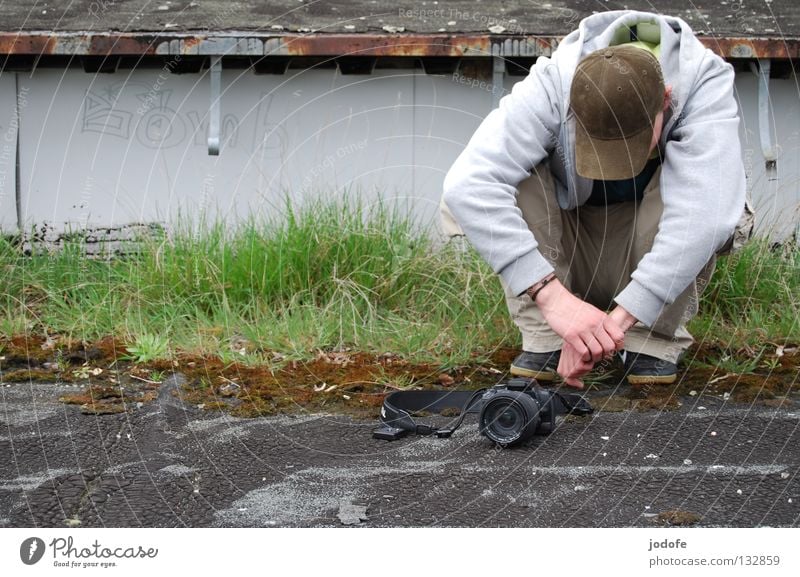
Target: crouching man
[{"x": 601, "y": 190}]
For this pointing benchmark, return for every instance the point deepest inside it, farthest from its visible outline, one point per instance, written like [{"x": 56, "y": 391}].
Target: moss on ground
[{"x": 351, "y": 383}]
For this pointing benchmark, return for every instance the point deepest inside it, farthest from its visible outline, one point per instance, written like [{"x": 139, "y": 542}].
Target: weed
[
  {"x": 771, "y": 363},
  {"x": 62, "y": 362},
  {"x": 148, "y": 347},
  {"x": 157, "y": 376},
  {"x": 738, "y": 365}
]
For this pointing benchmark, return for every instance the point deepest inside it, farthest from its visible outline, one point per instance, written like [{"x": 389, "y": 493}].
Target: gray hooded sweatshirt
[{"x": 702, "y": 175}]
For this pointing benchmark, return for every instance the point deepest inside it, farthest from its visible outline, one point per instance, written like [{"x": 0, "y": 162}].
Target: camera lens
[
  {"x": 505, "y": 420},
  {"x": 509, "y": 418}
]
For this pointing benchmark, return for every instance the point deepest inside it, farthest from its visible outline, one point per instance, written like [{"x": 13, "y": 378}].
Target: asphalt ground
[{"x": 166, "y": 463}]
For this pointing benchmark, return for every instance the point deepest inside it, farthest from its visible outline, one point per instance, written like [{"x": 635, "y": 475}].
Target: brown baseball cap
[{"x": 616, "y": 94}]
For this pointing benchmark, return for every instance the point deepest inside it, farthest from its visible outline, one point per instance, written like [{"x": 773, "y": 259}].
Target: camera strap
[
  {"x": 396, "y": 419},
  {"x": 398, "y": 407}
]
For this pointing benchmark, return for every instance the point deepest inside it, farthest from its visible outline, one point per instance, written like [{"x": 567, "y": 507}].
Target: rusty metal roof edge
[{"x": 233, "y": 43}]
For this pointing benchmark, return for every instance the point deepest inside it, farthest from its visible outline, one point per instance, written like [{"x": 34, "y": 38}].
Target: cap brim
[{"x": 600, "y": 159}]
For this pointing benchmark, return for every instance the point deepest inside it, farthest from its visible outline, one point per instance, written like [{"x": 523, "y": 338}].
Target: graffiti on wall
[{"x": 165, "y": 123}]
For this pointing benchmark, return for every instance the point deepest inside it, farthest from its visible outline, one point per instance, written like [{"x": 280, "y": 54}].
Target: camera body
[{"x": 514, "y": 411}]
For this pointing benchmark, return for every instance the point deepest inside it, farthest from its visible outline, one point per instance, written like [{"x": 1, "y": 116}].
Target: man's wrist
[
  {"x": 623, "y": 318},
  {"x": 533, "y": 290}
]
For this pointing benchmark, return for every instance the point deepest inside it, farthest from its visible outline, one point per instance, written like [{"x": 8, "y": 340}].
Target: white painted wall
[
  {"x": 776, "y": 200},
  {"x": 8, "y": 149},
  {"x": 130, "y": 147}
]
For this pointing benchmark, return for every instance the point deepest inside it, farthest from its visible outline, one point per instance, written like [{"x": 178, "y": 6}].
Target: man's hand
[
  {"x": 571, "y": 367},
  {"x": 592, "y": 334}
]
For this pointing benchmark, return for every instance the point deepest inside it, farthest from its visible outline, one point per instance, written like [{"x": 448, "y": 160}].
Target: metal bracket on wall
[
  {"x": 768, "y": 147},
  {"x": 17, "y": 188},
  {"x": 498, "y": 74},
  {"x": 213, "y": 112}
]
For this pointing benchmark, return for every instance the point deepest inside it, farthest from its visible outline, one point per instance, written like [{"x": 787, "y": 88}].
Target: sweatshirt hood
[{"x": 681, "y": 52}]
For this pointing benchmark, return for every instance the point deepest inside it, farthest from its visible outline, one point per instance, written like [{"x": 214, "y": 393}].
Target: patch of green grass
[
  {"x": 330, "y": 276},
  {"x": 753, "y": 298},
  {"x": 729, "y": 363},
  {"x": 15, "y": 324},
  {"x": 335, "y": 275}
]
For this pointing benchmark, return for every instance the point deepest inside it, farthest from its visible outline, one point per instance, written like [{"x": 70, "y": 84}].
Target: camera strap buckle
[{"x": 423, "y": 429}]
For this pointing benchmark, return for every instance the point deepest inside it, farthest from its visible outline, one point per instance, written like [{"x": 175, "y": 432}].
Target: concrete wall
[{"x": 110, "y": 150}]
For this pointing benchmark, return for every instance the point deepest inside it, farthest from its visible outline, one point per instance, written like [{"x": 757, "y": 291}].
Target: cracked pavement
[{"x": 170, "y": 464}]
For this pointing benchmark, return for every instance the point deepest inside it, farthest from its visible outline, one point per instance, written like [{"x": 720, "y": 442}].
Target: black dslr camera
[
  {"x": 514, "y": 412},
  {"x": 510, "y": 412}
]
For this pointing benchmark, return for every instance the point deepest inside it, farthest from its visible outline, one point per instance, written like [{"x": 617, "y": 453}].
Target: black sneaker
[
  {"x": 539, "y": 366},
  {"x": 643, "y": 369}
]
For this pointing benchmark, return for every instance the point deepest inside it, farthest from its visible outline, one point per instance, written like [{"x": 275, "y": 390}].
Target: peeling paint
[{"x": 401, "y": 44}]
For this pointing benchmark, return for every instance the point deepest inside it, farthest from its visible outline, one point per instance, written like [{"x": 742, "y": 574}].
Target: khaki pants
[{"x": 594, "y": 250}]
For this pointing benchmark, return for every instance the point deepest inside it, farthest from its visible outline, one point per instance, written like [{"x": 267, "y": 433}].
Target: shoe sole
[
  {"x": 547, "y": 376},
  {"x": 651, "y": 379}
]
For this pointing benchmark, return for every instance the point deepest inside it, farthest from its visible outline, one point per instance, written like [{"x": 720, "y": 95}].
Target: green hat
[{"x": 616, "y": 94}]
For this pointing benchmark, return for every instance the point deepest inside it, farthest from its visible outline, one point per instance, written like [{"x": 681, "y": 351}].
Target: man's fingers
[
  {"x": 576, "y": 383},
  {"x": 595, "y": 348},
  {"x": 579, "y": 347},
  {"x": 567, "y": 362},
  {"x": 607, "y": 342},
  {"x": 614, "y": 331},
  {"x": 570, "y": 366}
]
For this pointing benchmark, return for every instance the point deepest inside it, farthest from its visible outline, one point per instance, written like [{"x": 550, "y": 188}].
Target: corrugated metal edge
[{"x": 249, "y": 44}]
